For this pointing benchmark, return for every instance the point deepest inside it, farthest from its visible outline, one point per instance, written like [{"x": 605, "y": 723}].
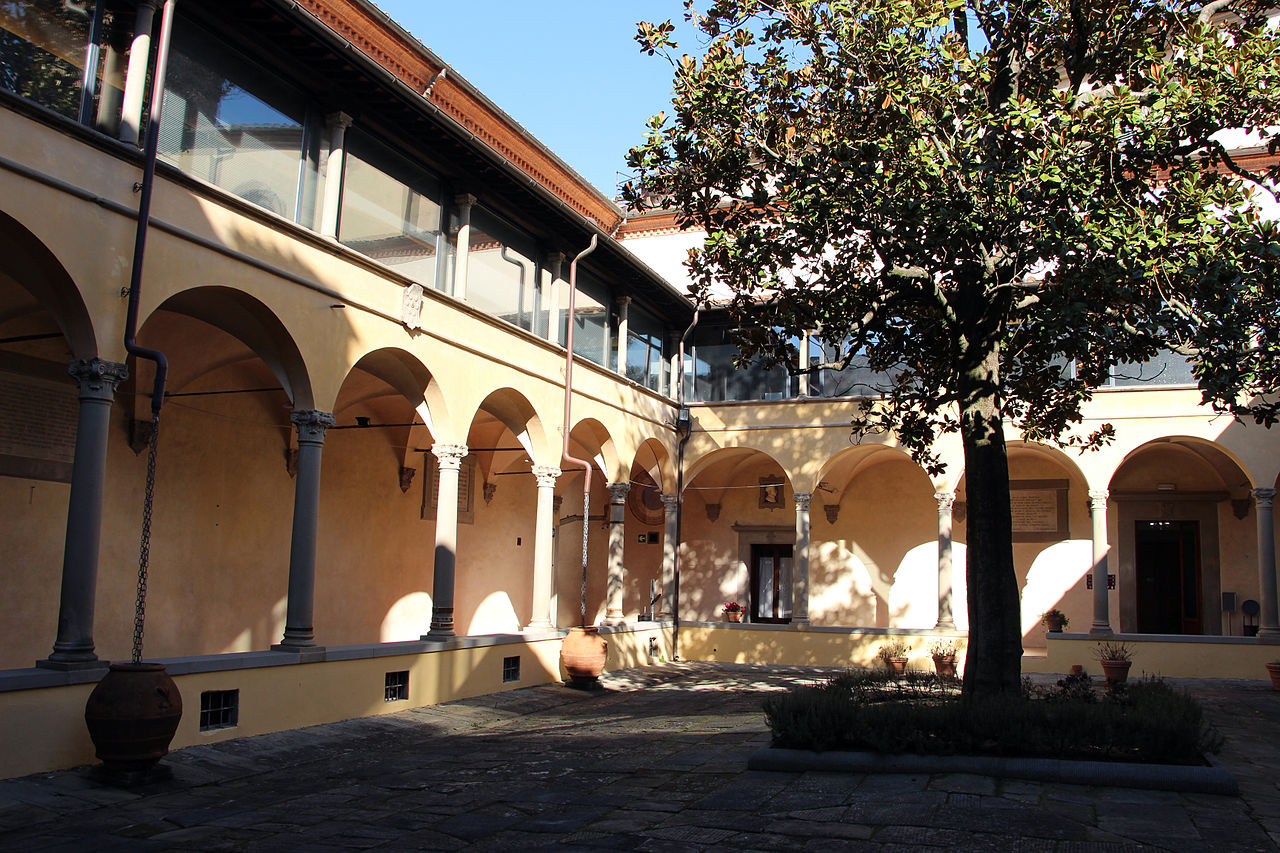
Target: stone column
[
  {"x": 670, "y": 388},
  {"x": 800, "y": 562},
  {"x": 333, "y": 169},
  {"x": 617, "y": 541},
  {"x": 555, "y": 266},
  {"x": 1263, "y": 501},
  {"x": 450, "y": 458},
  {"x": 946, "y": 619},
  {"x": 111, "y": 92},
  {"x": 465, "y": 201},
  {"x": 299, "y": 632},
  {"x": 624, "y": 308},
  {"x": 670, "y": 509},
  {"x": 74, "y": 647},
  {"x": 805, "y": 383},
  {"x": 1101, "y": 607},
  {"x": 543, "y": 542},
  {"x": 135, "y": 82}
]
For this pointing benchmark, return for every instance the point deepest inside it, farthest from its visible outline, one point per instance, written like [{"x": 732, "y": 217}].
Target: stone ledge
[{"x": 1157, "y": 777}]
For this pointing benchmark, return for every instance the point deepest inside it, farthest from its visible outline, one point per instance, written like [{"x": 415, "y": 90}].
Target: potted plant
[
  {"x": 733, "y": 611},
  {"x": 1055, "y": 620},
  {"x": 893, "y": 654},
  {"x": 1273, "y": 669},
  {"x": 1116, "y": 658},
  {"x": 944, "y": 657}
]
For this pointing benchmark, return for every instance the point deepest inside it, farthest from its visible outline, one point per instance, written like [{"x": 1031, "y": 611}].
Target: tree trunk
[{"x": 994, "y": 662}]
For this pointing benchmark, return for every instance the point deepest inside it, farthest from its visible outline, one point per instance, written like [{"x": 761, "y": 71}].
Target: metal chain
[
  {"x": 586, "y": 523},
  {"x": 144, "y": 550}
]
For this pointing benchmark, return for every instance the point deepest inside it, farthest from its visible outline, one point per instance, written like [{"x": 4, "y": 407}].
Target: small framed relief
[{"x": 771, "y": 492}]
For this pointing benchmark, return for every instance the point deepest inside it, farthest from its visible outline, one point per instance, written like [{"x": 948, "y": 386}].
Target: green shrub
[{"x": 867, "y": 710}]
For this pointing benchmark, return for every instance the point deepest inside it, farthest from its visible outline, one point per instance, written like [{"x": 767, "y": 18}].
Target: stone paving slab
[{"x": 655, "y": 761}]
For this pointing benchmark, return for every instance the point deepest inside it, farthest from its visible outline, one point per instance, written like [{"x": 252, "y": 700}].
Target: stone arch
[
  {"x": 875, "y": 529},
  {"x": 32, "y": 279},
  {"x": 235, "y": 314},
  {"x": 1183, "y": 530}
]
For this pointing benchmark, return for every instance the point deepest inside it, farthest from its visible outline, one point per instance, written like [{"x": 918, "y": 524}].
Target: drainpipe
[
  {"x": 568, "y": 404},
  {"x": 144, "y": 211},
  {"x": 684, "y": 427}
]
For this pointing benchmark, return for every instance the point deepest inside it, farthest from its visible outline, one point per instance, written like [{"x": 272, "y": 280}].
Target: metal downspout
[
  {"x": 684, "y": 427},
  {"x": 144, "y": 211},
  {"x": 568, "y": 407}
]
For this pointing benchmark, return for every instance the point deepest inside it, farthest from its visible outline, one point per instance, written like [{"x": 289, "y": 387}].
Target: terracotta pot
[
  {"x": 1054, "y": 623},
  {"x": 132, "y": 715},
  {"x": 1273, "y": 669},
  {"x": 1116, "y": 671},
  {"x": 898, "y": 665},
  {"x": 583, "y": 652},
  {"x": 733, "y": 615},
  {"x": 945, "y": 665}
]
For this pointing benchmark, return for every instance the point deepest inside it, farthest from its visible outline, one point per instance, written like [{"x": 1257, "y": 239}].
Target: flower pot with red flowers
[
  {"x": 733, "y": 611},
  {"x": 1055, "y": 620}
]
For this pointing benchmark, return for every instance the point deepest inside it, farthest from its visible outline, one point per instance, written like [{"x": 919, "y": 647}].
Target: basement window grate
[
  {"x": 219, "y": 709},
  {"x": 396, "y": 687},
  {"x": 510, "y": 669}
]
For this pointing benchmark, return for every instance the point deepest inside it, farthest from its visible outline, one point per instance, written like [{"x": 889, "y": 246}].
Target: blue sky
[{"x": 568, "y": 70}]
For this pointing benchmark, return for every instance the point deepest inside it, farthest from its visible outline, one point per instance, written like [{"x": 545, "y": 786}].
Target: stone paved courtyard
[{"x": 655, "y": 761}]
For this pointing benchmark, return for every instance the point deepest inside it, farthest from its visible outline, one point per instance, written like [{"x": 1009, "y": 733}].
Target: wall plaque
[{"x": 1040, "y": 510}]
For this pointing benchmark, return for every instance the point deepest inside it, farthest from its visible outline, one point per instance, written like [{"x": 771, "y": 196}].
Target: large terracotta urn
[
  {"x": 583, "y": 652},
  {"x": 132, "y": 715}
]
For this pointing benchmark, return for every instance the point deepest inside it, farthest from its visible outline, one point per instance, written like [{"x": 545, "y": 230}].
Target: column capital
[
  {"x": 669, "y": 502},
  {"x": 546, "y": 476},
  {"x": 623, "y": 301},
  {"x": 1098, "y": 498},
  {"x": 311, "y": 424},
  {"x": 464, "y": 201},
  {"x": 1264, "y": 497},
  {"x": 618, "y": 492},
  {"x": 945, "y": 500},
  {"x": 802, "y": 499},
  {"x": 449, "y": 456},
  {"x": 98, "y": 378},
  {"x": 338, "y": 119},
  {"x": 556, "y": 259}
]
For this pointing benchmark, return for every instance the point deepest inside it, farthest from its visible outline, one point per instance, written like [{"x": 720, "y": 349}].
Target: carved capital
[
  {"x": 97, "y": 378},
  {"x": 311, "y": 424},
  {"x": 449, "y": 456},
  {"x": 669, "y": 502},
  {"x": 802, "y": 500},
  {"x": 618, "y": 492},
  {"x": 338, "y": 119},
  {"x": 546, "y": 475},
  {"x": 946, "y": 500},
  {"x": 1264, "y": 497},
  {"x": 464, "y": 201},
  {"x": 1098, "y": 499}
]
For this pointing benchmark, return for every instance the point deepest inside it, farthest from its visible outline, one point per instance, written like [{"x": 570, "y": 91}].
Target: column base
[
  {"x": 801, "y": 623},
  {"x": 1269, "y": 635},
  {"x": 614, "y": 617},
  {"x": 947, "y": 625},
  {"x": 538, "y": 625},
  {"x": 436, "y": 635},
  {"x": 1101, "y": 631},
  {"x": 72, "y": 665}
]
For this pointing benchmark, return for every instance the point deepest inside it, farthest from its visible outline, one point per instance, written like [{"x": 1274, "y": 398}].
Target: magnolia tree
[{"x": 990, "y": 204}]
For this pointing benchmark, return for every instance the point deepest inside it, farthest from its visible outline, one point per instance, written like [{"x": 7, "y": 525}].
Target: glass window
[
  {"x": 231, "y": 123},
  {"x": 1166, "y": 368},
  {"x": 43, "y": 47},
  {"x": 645, "y": 363},
  {"x": 710, "y": 375},
  {"x": 856, "y": 380},
  {"x": 502, "y": 270},
  {"x": 390, "y": 210},
  {"x": 592, "y": 318}
]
